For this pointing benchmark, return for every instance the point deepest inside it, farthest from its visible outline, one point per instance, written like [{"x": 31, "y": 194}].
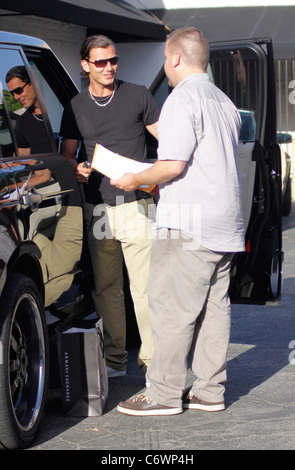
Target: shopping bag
[{"x": 82, "y": 368}]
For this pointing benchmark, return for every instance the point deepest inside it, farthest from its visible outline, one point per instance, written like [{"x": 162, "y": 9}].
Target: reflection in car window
[
  {"x": 30, "y": 129},
  {"x": 49, "y": 106},
  {"x": 7, "y": 147},
  {"x": 53, "y": 106},
  {"x": 235, "y": 72}
]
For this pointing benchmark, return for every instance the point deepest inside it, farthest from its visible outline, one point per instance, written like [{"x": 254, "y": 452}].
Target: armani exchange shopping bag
[{"x": 82, "y": 368}]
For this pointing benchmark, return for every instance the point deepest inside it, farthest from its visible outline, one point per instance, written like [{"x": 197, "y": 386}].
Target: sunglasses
[
  {"x": 19, "y": 90},
  {"x": 99, "y": 64}
]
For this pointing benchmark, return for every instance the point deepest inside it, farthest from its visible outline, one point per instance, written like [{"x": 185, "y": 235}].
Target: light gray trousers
[{"x": 190, "y": 318}]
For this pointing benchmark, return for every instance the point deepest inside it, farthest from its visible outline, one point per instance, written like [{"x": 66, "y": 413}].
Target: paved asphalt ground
[{"x": 260, "y": 405}]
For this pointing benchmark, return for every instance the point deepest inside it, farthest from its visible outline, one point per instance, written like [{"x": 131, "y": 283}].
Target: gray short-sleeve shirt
[{"x": 200, "y": 125}]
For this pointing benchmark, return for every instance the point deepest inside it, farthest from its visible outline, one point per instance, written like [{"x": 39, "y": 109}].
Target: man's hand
[
  {"x": 128, "y": 182},
  {"x": 159, "y": 172},
  {"x": 82, "y": 173}
]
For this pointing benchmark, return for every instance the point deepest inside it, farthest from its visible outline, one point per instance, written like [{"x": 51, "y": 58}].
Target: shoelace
[
  {"x": 190, "y": 395},
  {"x": 141, "y": 397}
]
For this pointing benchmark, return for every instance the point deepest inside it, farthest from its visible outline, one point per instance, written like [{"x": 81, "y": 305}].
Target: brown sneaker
[
  {"x": 190, "y": 401},
  {"x": 141, "y": 405}
]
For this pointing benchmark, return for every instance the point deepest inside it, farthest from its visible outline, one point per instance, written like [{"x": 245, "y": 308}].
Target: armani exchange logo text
[{"x": 67, "y": 377}]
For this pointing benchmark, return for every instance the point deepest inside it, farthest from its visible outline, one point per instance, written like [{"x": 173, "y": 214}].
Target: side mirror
[{"x": 283, "y": 138}]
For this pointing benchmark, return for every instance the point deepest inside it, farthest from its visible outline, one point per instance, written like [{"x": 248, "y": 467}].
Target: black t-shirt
[
  {"x": 119, "y": 126},
  {"x": 31, "y": 133}
]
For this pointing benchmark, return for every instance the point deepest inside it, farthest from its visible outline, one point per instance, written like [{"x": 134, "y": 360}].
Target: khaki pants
[
  {"x": 60, "y": 255},
  {"x": 115, "y": 232},
  {"x": 190, "y": 318}
]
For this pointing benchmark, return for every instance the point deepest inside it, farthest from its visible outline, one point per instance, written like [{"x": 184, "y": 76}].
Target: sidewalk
[{"x": 260, "y": 405}]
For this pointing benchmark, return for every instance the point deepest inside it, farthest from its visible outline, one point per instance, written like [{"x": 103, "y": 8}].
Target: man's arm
[
  {"x": 153, "y": 129},
  {"x": 69, "y": 151},
  {"x": 24, "y": 151},
  {"x": 161, "y": 172}
]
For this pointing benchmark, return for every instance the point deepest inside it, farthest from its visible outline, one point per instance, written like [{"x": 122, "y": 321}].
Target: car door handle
[{"x": 33, "y": 199}]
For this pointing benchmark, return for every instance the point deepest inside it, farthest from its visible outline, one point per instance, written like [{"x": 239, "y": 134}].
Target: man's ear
[
  {"x": 176, "y": 59},
  {"x": 85, "y": 65}
]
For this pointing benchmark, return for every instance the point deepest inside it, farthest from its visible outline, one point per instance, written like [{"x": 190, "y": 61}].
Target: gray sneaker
[
  {"x": 141, "y": 405},
  {"x": 190, "y": 401}
]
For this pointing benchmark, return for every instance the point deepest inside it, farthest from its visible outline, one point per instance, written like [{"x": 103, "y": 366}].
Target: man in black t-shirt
[{"x": 115, "y": 114}]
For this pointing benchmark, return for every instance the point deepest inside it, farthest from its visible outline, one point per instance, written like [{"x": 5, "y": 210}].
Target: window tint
[
  {"x": 162, "y": 90},
  {"x": 23, "y": 113},
  {"x": 7, "y": 147},
  {"x": 23, "y": 129},
  {"x": 235, "y": 72},
  {"x": 52, "y": 104}
]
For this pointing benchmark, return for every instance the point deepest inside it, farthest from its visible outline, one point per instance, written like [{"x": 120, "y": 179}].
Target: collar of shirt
[{"x": 194, "y": 76}]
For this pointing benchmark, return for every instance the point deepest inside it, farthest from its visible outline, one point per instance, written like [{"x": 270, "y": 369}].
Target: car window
[
  {"x": 14, "y": 111},
  {"x": 52, "y": 104},
  {"x": 7, "y": 145},
  {"x": 55, "y": 87},
  {"x": 161, "y": 90},
  {"x": 235, "y": 71},
  {"x": 17, "y": 105}
]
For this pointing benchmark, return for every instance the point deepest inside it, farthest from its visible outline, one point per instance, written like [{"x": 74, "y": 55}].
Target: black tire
[{"x": 24, "y": 362}]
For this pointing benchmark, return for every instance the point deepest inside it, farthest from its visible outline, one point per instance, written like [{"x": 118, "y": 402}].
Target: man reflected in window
[{"x": 31, "y": 133}]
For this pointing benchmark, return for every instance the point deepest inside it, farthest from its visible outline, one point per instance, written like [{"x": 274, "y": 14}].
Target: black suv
[{"x": 43, "y": 269}]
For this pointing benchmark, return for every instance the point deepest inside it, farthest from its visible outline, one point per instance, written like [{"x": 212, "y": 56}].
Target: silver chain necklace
[
  {"x": 104, "y": 104},
  {"x": 36, "y": 117}
]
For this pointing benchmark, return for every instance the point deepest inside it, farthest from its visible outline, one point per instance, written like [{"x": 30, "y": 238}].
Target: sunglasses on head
[
  {"x": 103, "y": 62},
  {"x": 19, "y": 90}
]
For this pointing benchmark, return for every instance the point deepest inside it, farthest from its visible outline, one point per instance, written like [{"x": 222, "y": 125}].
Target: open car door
[{"x": 244, "y": 70}]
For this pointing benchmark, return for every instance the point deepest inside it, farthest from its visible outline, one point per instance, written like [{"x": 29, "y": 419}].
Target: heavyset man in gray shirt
[{"x": 198, "y": 229}]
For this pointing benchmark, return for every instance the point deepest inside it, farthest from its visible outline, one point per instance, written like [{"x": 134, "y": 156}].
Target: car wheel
[
  {"x": 24, "y": 366},
  {"x": 276, "y": 276}
]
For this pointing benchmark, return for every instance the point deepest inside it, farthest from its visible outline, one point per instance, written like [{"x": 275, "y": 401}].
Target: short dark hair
[
  {"x": 20, "y": 72},
  {"x": 89, "y": 43},
  {"x": 94, "y": 41}
]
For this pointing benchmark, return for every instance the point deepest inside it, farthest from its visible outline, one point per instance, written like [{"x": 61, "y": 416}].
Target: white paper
[{"x": 114, "y": 165}]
